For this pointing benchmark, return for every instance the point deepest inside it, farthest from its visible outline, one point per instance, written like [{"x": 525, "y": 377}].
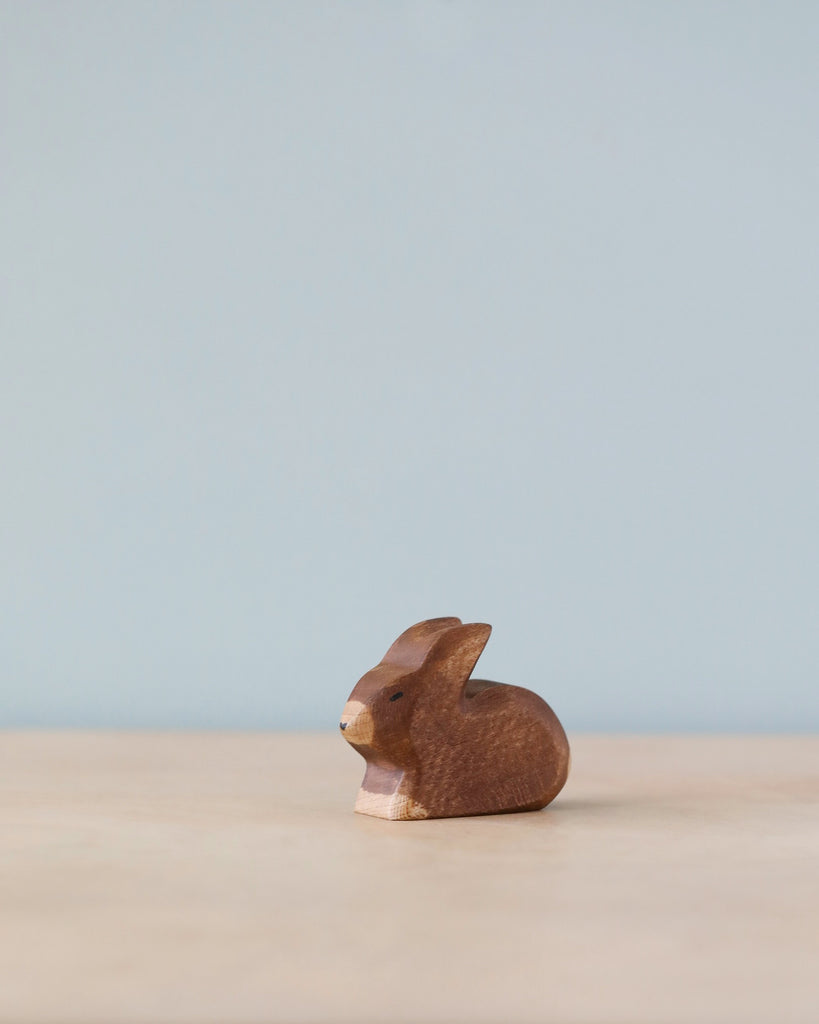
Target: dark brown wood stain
[{"x": 440, "y": 744}]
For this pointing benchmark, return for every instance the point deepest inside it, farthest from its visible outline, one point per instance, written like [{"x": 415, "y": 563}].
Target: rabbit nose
[{"x": 342, "y": 726}]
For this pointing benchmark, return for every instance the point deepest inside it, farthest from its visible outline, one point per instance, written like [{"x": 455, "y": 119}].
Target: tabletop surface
[{"x": 218, "y": 877}]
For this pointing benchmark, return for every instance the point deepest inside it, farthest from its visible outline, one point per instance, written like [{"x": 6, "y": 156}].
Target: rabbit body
[{"x": 439, "y": 744}]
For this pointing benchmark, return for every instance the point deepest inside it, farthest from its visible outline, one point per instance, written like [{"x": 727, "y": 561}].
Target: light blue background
[{"x": 320, "y": 319}]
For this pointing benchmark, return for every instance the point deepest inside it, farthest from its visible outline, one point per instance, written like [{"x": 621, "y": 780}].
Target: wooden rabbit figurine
[{"x": 439, "y": 744}]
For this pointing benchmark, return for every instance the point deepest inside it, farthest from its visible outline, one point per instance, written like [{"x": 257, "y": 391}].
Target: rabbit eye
[{"x": 395, "y": 696}]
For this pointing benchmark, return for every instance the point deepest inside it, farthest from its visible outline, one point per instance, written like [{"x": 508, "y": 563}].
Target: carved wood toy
[{"x": 439, "y": 744}]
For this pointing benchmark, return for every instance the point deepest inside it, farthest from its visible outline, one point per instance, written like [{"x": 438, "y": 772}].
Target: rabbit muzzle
[{"x": 357, "y": 723}]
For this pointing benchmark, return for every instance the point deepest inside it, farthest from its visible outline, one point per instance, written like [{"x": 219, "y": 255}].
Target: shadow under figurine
[{"x": 441, "y": 745}]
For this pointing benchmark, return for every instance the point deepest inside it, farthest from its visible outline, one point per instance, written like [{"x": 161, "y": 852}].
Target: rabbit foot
[{"x": 393, "y": 806}]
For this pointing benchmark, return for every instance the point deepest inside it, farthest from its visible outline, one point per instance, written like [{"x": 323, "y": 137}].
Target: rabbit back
[{"x": 502, "y": 748}]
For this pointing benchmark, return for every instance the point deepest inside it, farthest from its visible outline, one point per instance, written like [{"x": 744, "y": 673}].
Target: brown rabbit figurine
[{"x": 441, "y": 745}]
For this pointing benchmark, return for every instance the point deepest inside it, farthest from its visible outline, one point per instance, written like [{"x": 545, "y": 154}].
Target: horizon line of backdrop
[{"x": 321, "y": 319}]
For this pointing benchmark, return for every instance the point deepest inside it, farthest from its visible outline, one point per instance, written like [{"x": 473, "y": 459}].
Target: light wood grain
[{"x": 225, "y": 878}]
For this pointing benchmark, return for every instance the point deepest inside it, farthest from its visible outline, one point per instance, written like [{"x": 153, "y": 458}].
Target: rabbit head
[{"x": 423, "y": 673}]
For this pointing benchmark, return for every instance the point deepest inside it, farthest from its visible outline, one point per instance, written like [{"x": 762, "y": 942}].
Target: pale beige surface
[{"x": 223, "y": 878}]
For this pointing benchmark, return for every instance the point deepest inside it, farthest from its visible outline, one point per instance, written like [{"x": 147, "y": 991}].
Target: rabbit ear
[
  {"x": 415, "y": 643},
  {"x": 454, "y": 654}
]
